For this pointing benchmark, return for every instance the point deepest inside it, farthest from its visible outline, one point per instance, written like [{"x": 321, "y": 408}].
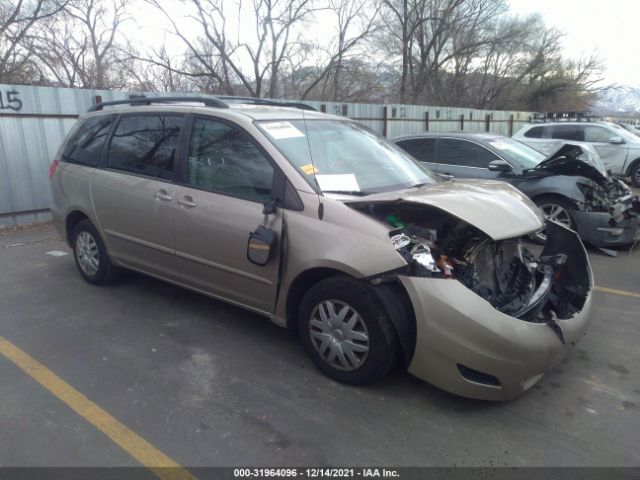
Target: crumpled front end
[
  {"x": 608, "y": 212},
  {"x": 495, "y": 336},
  {"x": 609, "y": 215},
  {"x": 491, "y": 317}
]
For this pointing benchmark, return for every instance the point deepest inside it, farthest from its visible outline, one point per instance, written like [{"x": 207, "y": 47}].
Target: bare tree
[
  {"x": 17, "y": 19},
  {"x": 401, "y": 19},
  {"x": 219, "y": 53},
  {"x": 78, "y": 48},
  {"x": 355, "y": 21}
]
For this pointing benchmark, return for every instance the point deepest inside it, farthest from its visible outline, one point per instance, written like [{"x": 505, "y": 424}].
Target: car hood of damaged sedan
[
  {"x": 565, "y": 161},
  {"x": 494, "y": 207}
]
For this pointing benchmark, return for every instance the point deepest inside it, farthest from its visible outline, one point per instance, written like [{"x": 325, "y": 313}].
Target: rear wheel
[
  {"x": 635, "y": 175},
  {"x": 556, "y": 209},
  {"x": 346, "y": 331},
  {"x": 91, "y": 256}
]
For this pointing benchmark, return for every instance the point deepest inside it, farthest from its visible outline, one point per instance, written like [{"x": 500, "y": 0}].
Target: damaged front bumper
[
  {"x": 466, "y": 346},
  {"x": 604, "y": 229}
]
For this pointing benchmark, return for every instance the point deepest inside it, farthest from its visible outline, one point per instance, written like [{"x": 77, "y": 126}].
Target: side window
[
  {"x": 535, "y": 132},
  {"x": 224, "y": 159},
  {"x": 85, "y": 146},
  {"x": 423, "y": 149},
  {"x": 465, "y": 154},
  {"x": 568, "y": 132},
  {"x": 146, "y": 144},
  {"x": 593, "y": 133}
]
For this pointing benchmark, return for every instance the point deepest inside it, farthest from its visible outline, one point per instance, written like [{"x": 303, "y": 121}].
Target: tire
[
  {"x": 370, "y": 321},
  {"x": 90, "y": 255},
  {"x": 635, "y": 175},
  {"x": 563, "y": 215}
]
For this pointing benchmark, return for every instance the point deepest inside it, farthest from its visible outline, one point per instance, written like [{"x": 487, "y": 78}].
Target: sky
[{"x": 608, "y": 27}]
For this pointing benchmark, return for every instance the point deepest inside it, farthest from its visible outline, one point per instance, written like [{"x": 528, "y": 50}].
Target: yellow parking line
[
  {"x": 618, "y": 292},
  {"x": 149, "y": 456}
]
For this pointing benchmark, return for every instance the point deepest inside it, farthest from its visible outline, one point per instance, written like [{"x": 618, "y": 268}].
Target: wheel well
[
  {"x": 70, "y": 223},
  {"x": 632, "y": 166},
  {"x": 393, "y": 297},
  {"x": 556, "y": 196},
  {"x": 299, "y": 287}
]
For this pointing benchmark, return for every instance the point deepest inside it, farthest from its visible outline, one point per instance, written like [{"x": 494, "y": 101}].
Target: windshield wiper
[
  {"x": 358, "y": 193},
  {"x": 420, "y": 185}
]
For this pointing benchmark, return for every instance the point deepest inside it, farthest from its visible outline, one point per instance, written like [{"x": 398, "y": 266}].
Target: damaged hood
[
  {"x": 496, "y": 208},
  {"x": 565, "y": 161}
]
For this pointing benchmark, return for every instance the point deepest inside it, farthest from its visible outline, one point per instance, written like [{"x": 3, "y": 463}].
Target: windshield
[
  {"x": 522, "y": 155},
  {"x": 345, "y": 157}
]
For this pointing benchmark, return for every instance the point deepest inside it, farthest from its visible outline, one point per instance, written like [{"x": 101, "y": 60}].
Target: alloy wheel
[
  {"x": 555, "y": 212},
  {"x": 339, "y": 335}
]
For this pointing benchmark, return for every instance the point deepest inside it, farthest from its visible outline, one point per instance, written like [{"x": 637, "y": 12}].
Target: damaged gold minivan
[{"x": 328, "y": 229}]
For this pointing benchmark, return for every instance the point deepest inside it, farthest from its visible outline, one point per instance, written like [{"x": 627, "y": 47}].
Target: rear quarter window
[
  {"x": 535, "y": 132},
  {"x": 86, "y": 144}
]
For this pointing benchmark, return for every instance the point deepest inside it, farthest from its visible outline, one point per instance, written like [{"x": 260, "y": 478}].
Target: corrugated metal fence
[{"x": 34, "y": 121}]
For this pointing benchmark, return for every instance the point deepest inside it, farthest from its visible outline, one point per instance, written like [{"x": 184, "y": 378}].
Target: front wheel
[
  {"x": 91, "y": 256},
  {"x": 556, "y": 209},
  {"x": 346, "y": 331},
  {"x": 635, "y": 175}
]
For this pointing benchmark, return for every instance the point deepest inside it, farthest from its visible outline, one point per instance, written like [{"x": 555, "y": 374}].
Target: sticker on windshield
[
  {"x": 309, "y": 169},
  {"x": 282, "y": 130},
  {"x": 338, "y": 182}
]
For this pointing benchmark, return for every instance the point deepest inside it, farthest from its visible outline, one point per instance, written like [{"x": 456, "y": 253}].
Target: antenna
[{"x": 313, "y": 168}]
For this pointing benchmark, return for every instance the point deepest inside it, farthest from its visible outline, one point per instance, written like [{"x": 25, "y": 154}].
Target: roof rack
[
  {"x": 143, "y": 100},
  {"x": 565, "y": 117},
  {"x": 275, "y": 103}
]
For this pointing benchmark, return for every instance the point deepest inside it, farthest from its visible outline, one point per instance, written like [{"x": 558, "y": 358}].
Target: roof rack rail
[
  {"x": 137, "y": 100},
  {"x": 274, "y": 103}
]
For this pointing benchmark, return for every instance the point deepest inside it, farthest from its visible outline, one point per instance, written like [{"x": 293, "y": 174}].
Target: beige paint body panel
[
  {"x": 456, "y": 326},
  {"x": 137, "y": 224},
  {"x": 211, "y": 248},
  {"x": 497, "y": 208}
]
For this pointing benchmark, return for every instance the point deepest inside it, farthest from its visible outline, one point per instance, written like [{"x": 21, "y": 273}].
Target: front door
[
  {"x": 613, "y": 155},
  {"x": 228, "y": 180}
]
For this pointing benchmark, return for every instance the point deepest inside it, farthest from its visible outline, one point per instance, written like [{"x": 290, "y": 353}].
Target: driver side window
[{"x": 223, "y": 158}]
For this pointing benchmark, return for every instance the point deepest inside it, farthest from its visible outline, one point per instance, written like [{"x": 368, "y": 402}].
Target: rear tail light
[{"x": 52, "y": 168}]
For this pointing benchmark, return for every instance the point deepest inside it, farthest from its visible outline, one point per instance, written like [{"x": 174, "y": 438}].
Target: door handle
[
  {"x": 187, "y": 202},
  {"x": 163, "y": 195}
]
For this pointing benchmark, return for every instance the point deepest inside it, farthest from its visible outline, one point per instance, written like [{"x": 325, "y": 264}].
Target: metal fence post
[
  {"x": 462, "y": 122},
  {"x": 511, "y": 125},
  {"x": 426, "y": 121},
  {"x": 487, "y": 122},
  {"x": 384, "y": 120}
]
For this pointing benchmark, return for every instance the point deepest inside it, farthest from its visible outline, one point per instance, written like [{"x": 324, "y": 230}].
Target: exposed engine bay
[
  {"x": 611, "y": 196},
  {"x": 553, "y": 285}
]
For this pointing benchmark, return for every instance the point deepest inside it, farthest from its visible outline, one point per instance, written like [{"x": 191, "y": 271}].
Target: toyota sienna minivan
[{"x": 328, "y": 229}]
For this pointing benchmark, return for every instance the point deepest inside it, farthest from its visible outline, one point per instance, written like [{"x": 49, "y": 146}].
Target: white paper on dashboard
[
  {"x": 338, "y": 182},
  {"x": 282, "y": 130}
]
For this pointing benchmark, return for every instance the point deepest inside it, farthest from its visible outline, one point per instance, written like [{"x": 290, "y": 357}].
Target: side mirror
[
  {"x": 500, "y": 166},
  {"x": 616, "y": 140},
  {"x": 259, "y": 245}
]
